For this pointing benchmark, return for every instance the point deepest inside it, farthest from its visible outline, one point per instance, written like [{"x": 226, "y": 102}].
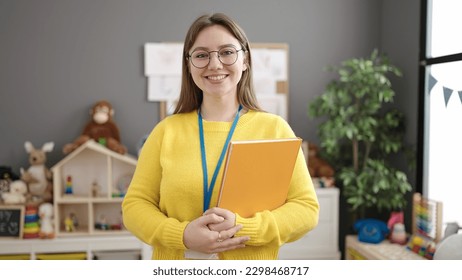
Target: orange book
[{"x": 257, "y": 175}]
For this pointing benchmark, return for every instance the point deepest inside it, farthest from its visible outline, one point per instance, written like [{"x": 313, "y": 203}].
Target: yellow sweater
[{"x": 166, "y": 191}]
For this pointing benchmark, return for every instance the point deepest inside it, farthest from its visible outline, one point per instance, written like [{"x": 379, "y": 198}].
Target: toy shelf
[
  {"x": 88, "y": 189},
  {"x": 357, "y": 250},
  {"x": 82, "y": 247}
]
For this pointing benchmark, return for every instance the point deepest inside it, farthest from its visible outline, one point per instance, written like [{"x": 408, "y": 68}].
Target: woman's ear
[{"x": 245, "y": 66}]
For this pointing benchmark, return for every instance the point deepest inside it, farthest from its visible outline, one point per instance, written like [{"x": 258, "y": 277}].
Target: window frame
[{"x": 424, "y": 61}]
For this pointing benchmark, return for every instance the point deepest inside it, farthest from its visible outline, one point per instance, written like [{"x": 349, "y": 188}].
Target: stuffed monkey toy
[
  {"x": 100, "y": 128},
  {"x": 316, "y": 165}
]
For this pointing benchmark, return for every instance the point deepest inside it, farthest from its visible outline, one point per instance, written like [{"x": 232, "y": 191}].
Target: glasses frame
[{"x": 218, "y": 55}]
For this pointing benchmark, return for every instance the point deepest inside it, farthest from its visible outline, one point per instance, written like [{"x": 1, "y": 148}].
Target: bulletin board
[{"x": 163, "y": 62}]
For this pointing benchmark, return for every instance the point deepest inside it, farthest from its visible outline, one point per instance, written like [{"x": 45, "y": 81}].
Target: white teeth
[{"x": 216, "y": 78}]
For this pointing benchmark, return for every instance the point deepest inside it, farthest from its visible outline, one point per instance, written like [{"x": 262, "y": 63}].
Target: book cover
[{"x": 257, "y": 174}]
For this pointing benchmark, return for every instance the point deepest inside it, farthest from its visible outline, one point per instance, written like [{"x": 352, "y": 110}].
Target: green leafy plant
[{"x": 359, "y": 133}]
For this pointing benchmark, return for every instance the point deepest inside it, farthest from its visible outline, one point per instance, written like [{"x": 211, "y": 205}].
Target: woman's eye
[
  {"x": 226, "y": 52},
  {"x": 202, "y": 55}
]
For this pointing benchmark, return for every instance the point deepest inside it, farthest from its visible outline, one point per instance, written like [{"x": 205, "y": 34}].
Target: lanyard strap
[{"x": 209, "y": 189}]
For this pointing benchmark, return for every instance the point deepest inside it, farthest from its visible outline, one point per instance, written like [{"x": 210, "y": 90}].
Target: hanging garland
[{"x": 447, "y": 92}]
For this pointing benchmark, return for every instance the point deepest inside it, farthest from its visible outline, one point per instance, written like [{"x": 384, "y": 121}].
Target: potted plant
[{"x": 359, "y": 133}]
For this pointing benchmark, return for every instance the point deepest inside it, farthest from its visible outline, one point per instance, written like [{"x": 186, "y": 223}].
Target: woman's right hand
[{"x": 197, "y": 236}]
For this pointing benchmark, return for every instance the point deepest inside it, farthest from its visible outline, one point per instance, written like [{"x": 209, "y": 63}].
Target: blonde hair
[{"x": 191, "y": 95}]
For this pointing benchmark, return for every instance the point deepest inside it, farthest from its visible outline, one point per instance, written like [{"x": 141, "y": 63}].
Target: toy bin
[
  {"x": 117, "y": 255},
  {"x": 15, "y": 257},
  {"x": 64, "y": 256}
]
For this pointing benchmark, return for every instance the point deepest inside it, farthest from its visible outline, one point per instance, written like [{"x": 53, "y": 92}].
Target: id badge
[{"x": 194, "y": 255}]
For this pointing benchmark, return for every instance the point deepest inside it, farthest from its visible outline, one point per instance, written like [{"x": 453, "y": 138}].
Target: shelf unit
[
  {"x": 385, "y": 250},
  {"x": 74, "y": 247},
  {"x": 89, "y": 183}
]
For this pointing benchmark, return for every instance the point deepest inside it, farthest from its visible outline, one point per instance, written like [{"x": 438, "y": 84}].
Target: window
[{"x": 441, "y": 106}]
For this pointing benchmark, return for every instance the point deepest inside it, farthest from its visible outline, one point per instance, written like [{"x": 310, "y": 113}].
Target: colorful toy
[
  {"x": 75, "y": 221},
  {"x": 69, "y": 224},
  {"x": 38, "y": 177},
  {"x": 426, "y": 226},
  {"x": 422, "y": 246},
  {"x": 68, "y": 188},
  {"x": 427, "y": 217},
  {"x": 398, "y": 234},
  {"x": 102, "y": 223},
  {"x": 31, "y": 222}
]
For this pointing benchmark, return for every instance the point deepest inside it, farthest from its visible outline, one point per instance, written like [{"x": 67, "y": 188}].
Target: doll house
[{"x": 88, "y": 188}]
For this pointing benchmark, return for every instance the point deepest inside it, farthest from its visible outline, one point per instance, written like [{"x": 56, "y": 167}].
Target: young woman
[{"x": 171, "y": 198}]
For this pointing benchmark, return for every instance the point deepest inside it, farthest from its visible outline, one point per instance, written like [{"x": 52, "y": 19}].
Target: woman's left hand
[{"x": 228, "y": 216}]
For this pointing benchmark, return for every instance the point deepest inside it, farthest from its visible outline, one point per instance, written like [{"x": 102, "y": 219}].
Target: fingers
[
  {"x": 229, "y": 219},
  {"x": 227, "y": 241},
  {"x": 230, "y": 244},
  {"x": 199, "y": 237},
  {"x": 226, "y": 234},
  {"x": 216, "y": 210},
  {"x": 210, "y": 219}
]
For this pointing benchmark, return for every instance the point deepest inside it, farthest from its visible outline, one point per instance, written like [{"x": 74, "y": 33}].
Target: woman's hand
[
  {"x": 228, "y": 216},
  {"x": 199, "y": 237}
]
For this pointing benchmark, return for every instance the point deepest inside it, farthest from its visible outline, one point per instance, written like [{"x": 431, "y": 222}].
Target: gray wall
[{"x": 57, "y": 57}]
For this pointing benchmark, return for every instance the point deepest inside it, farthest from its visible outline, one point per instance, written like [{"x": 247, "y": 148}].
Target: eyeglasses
[{"x": 201, "y": 58}]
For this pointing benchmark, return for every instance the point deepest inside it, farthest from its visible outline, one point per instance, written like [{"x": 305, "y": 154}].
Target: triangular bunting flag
[
  {"x": 431, "y": 82},
  {"x": 460, "y": 96},
  {"x": 447, "y": 95}
]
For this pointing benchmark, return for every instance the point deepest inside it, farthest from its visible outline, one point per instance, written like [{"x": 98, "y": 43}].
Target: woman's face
[{"x": 217, "y": 79}]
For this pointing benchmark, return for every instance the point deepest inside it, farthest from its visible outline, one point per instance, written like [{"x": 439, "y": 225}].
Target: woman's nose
[{"x": 215, "y": 62}]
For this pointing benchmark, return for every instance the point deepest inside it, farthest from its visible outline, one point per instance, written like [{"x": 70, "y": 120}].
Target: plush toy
[
  {"x": 38, "y": 177},
  {"x": 321, "y": 172},
  {"x": 6, "y": 177},
  {"x": 45, "y": 213},
  {"x": 100, "y": 128},
  {"x": 17, "y": 193},
  {"x": 316, "y": 165}
]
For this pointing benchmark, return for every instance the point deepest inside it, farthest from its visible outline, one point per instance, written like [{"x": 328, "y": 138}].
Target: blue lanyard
[{"x": 209, "y": 189}]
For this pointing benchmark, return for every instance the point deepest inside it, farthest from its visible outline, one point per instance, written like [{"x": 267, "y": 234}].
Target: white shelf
[
  {"x": 61, "y": 245},
  {"x": 357, "y": 250}
]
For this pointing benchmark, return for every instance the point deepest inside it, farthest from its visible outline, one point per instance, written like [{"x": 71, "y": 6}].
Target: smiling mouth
[{"x": 216, "y": 77}]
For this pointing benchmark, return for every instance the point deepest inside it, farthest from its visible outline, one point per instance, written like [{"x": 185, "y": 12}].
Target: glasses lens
[
  {"x": 228, "y": 55},
  {"x": 200, "y": 58}
]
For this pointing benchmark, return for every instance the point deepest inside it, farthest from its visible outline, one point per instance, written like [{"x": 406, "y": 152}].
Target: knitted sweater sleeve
[
  {"x": 293, "y": 219},
  {"x": 141, "y": 212}
]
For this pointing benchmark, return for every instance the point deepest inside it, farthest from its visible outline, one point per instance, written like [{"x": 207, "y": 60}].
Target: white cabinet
[{"x": 322, "y": 242}]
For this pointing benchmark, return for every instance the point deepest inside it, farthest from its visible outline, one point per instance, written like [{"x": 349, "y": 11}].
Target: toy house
[{"x": 88, "y": 188}]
